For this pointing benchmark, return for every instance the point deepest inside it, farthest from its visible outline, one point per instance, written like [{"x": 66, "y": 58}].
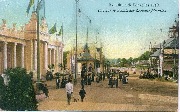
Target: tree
[
  {"x": 118, "y": 61},
  {"x": 2, "y": 89},
  {"x": 135, "y": 60},
  {"x": 123, "y": 62},
  {"x": 129, "y": 61},
  {"x": 65, "y": 58},
  {"x": 19, "y": 94},
  {"x": 145, "y": 56}
]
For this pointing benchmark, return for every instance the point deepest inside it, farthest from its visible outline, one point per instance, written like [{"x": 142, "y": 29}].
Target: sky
[{"x": 122, "y": 34}]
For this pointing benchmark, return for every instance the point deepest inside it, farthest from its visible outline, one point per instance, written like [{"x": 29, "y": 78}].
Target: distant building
[
  {"x": 90, "y": 56},
  {"x": 18, "y": 48},
  {"x": 165, "y": 55}
]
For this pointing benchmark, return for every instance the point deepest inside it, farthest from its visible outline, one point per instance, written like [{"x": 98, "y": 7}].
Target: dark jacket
[{"x": 82, "y": 93}]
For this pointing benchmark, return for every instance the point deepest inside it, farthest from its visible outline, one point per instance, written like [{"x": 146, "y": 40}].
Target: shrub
[
  {"x": 19, "y": 94},
  {"x": 2, "y": 89}
]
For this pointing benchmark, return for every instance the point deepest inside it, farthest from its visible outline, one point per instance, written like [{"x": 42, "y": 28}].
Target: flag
[
  {"x": 31, "y": 2},
  {"x": 40, "y": 5},
  {"x": 53, "y": 29},
  {"x": 60, "y": 31},
  {"x": 41, "y": 9}
]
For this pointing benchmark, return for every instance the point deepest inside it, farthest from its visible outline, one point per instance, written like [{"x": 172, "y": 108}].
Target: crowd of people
[{"x": 87, "y": 78}]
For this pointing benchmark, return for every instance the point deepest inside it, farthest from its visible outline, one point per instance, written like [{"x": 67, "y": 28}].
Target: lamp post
[
  {"x": 176, "y": 35},
  {"x": 76, "y": 42}
]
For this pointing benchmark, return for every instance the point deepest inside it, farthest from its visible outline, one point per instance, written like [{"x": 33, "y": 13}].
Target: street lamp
[
  {"x": 150, "y": 52},
  {"x": 76, "y": 42}
]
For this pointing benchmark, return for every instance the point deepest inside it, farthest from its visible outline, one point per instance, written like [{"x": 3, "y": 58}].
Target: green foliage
[
  {"x": 2, "y": 89},
  {"x": 144, "y": 56},
  {"x": 122, "y": 62},
  {"x": 65, "y": 57},
  {"x": 130, "y": 60},
  {"x": 19, "y": 94},
  {"x": 135, "y": 60}
]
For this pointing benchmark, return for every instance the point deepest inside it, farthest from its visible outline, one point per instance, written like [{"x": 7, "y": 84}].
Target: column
[
  {"x": 54, "y": 57},
  {"x": 15, "y": 55},
  {"x": 46, "y": 55},
  {"x": 49, "y": 56},
  {"x": 5, "y": 55},
  {"x": 22, "y": 56},
  {"x": 35, "y": 55},
  {"x": 60, "y": 60},
  {"x": 61, "y": 48},
  {"x": 31, "y": 54},
  {"x": 62, "y": 55},
  {"x": 57, "y": 55}
]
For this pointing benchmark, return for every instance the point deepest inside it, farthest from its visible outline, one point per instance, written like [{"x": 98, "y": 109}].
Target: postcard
[{"x": 89, "y": 55}]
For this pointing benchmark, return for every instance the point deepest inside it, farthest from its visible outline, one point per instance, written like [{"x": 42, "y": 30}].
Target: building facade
[
  {"x": 165, "y": 55},
  {"x": 18, "y": 48}
]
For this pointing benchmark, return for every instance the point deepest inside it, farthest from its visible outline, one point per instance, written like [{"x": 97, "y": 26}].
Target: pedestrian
[
  {"x": 45, "y": 90},
  {"x": 97, "y": 79},
  {"x": 120, "y": 76},
  {"x": 123, "y": 79},
  {"x": 117, "y": 82},
  {"x": 82, "y": 93},
  {"x": 57, "y": 82},
  {"x": 113, "y": 82},
  {"x": 82, "y": 82},
  {"x": 63, "y": 83},
  {"x": 104, "y": 76},
  {"x": 92, "y": 77},
  {"x": 89, "y": 80},
  {"x": 69, "y": 91},
  {"x": 126, "y": 80},
  {"x": 110, "y": 81},
  {"x": 101, "y": 76},
  {"x": 85, "y": 80}
]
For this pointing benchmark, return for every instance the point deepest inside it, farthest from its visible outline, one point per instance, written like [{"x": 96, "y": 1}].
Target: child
[{"x": 82, "y": 93}]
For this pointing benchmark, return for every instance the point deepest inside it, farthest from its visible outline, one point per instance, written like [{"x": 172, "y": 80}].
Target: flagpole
[
  {"x": 62, "y": 33},
  {"x": 38, "y": 46},
  {"x": 62, "y": 49},
  {"x": 44, "y": 10},
  {"x": 76, "y": 44}
]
